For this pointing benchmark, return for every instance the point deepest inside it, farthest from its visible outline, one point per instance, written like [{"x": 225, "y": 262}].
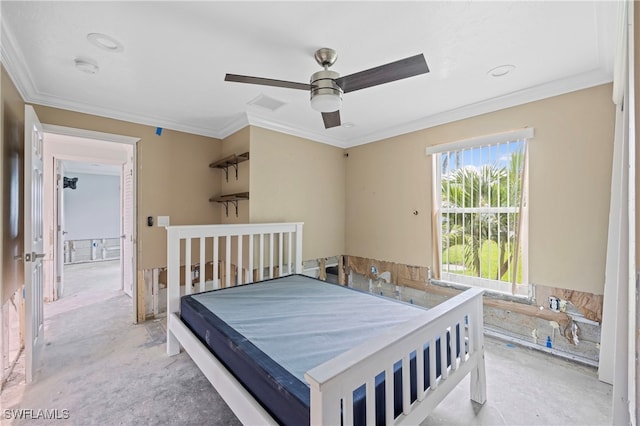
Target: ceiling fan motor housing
[{"x": 326, "y": 95}]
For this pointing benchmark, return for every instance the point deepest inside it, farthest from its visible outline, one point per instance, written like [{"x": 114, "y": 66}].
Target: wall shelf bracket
[
  {"x": 230, "y": 198},
  {"x": 230, "y": 161}
]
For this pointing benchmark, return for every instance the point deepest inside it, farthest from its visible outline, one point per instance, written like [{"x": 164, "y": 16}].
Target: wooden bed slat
[
  {"x": 444, "y": 371},
  {"x": 406, "y": 385},
  {"x": 389, "y": 394},
  {"x": 240, "y": 279},
  {"x": 280, "y": 270},
  {"x": 216, "y": 272},
  {"x": 433, "y": 378},
  {"x": 188, "y": 281},
  {"x": 289, "y": 262},
  {"x": 347, "y": 408},
  {"x": 227, "y": 261},
  {"x": 251, "y": 254},
  {"x": 203, "y": 265},
  {"x": 261, "y": 269},
  {"x": 371, "y": 401},
  {"x": 271, "y": 255},
  {"x": 453, "y": 348},
  {"x": 420, "y": 372}
]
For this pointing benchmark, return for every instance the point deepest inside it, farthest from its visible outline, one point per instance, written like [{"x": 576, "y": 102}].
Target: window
[{"x": 480, "y": 206}]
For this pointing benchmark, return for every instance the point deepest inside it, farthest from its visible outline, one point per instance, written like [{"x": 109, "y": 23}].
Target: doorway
[
  {"x": 104, "y": 164},
  {"x": 88, "y": 213}
]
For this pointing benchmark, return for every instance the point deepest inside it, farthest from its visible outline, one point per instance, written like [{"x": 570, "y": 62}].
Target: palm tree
[{"x": 478, "y": 190}]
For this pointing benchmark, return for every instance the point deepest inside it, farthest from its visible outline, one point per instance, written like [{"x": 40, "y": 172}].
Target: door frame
[{"x": 116, "y": 138}]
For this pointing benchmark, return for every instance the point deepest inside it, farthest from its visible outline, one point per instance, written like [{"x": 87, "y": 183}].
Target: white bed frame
[{"x": 332, "y": 383}]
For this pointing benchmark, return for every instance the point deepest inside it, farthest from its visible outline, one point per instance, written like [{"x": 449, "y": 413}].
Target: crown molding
[
  {"x": 261, "y": 121},
  {"x": 238, "y": 122},
  {"x": 555, "y": 88},
  {"x": 14, "y": 64}
]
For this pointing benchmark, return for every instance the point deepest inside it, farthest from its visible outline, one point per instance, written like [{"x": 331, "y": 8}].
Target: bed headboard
[{"x": 255, "y": 251}]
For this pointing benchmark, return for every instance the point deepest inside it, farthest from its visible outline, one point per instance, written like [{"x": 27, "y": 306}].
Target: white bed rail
[
  {"x": 334, "y": 382},
  {"x": 274, "y": 248}
]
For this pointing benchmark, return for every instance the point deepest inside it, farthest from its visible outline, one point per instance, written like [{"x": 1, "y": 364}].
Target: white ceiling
[{"x": 170, "y": 73}]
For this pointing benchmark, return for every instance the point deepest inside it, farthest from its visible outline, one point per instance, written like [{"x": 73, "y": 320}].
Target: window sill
[{"x": 492, "y": 294}]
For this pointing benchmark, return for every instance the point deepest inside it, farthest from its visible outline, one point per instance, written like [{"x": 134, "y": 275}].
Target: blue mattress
[{"x": 270, "y": 333}]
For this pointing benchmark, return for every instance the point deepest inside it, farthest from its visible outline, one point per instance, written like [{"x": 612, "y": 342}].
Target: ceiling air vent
[{"x": 266, "y": 102}]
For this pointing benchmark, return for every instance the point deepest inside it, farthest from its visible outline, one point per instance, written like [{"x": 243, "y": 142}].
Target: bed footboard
[{"x": 411, "y": 368}]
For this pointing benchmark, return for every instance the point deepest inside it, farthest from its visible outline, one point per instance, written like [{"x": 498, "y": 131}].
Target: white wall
[{"x": 92, "y": 210}]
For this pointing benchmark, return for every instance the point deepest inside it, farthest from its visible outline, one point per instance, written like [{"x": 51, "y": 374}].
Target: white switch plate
[{"x": 163, "y": 221}]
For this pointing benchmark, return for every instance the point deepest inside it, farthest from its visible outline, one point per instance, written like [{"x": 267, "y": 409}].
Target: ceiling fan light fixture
[
  {"x": 328, "y": 102},
  {"x": 326, "y": 95}
]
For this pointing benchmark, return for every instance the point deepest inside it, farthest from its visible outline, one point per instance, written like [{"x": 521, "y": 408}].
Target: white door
[
  {"x": 126, "y": 238},
  {"x": 33, "y": 241},
  {"x": 60, "y": 232}
]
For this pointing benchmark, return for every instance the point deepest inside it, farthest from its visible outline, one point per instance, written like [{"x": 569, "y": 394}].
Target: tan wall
[
  {"x": 570, "y": 173},
  {"x": 12, "y": 182},
  {"x": 386, "y": 182},
  {"x": 174, "y": 177},
  {"x": 297, "y": 180}
]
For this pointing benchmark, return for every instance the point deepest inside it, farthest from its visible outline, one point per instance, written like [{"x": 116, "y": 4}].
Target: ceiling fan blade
[
  {"x": 387, "y": 73},
  {"x": 331, "y": 119},
  {"x": 267, "y": 82}
]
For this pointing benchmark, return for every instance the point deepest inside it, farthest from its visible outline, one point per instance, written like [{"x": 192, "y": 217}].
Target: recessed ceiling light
[
  {"x": 348, "y": 124},
  {"x": 501, "y": 70},
  {"x": 105, "y": 42},
  {"x": 86, "y": 65}
]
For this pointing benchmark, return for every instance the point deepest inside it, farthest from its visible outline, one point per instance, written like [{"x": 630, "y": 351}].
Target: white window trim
[{"x": 511, "y": 135}]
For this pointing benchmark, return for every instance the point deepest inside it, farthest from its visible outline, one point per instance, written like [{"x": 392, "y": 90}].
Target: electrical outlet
[
  {"x": 374, "y": 270},
  {"x": 554, "y": 304}
]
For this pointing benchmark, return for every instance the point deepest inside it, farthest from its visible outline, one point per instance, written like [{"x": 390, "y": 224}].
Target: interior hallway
[{"x": 105, "y": 370}]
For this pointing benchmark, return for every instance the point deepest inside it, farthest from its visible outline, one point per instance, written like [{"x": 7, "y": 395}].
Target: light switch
[{"x": 163, "y": 220}]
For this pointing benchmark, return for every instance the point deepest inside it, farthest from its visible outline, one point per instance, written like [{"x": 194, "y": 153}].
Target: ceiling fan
[{"x": 326, "y": 87}]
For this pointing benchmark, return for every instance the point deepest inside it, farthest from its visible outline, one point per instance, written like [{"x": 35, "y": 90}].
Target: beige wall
[
  {"x": 297, "y": 180},
  {"x": 12, "y": 182},
  {"x": 386, "y": 182},
  {"x": 570, "y": 172},
  {"x": 174, "y": 177}
]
